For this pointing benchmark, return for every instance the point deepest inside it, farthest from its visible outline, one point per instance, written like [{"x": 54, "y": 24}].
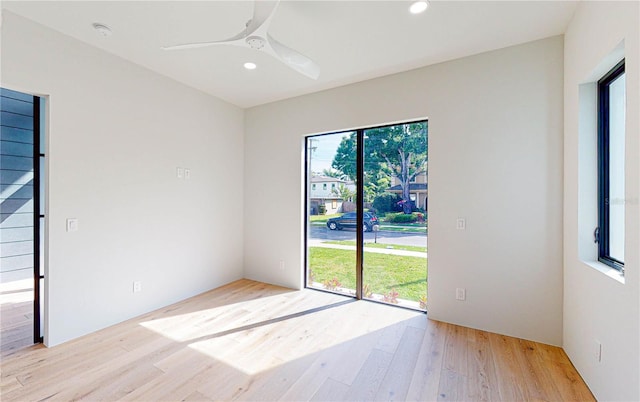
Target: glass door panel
[
  {"x": 331, "y": 212},
  {"x": 395, "y": 215}
]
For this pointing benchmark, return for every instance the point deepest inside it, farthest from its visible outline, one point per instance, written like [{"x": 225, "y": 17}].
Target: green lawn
[
  {"x": 382, "y": 272},
  {"x": 378, "y": 245},
  {"x": 392, "y": 227},
  {"x": 322, "y": 218}
]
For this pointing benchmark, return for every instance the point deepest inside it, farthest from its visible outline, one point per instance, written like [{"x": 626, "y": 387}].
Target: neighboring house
[
  {"x": 417, "y": 189},
  {"x": 322, "y": 193}
]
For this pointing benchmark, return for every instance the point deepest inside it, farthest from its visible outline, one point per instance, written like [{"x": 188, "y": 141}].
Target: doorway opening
[
  {"x": 22, "y": 219},
  {"x": 366, "y": 226}
]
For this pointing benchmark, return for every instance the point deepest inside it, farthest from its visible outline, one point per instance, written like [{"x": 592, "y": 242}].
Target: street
[{"x": 384, "y": 237}]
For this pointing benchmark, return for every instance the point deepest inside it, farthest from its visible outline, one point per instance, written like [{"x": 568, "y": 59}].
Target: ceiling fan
[{"x": 256, "y": 36}]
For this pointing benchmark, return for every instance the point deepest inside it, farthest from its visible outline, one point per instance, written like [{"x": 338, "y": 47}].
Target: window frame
[
  {"x": 359, "y": 201},
  {"x": 603, "y": 229}
]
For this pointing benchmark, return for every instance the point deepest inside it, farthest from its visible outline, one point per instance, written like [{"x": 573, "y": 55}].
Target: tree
[
  {"x": 344, "y": 192},
  {"x": 345, "y": 159},
  {"x": 377, "y": 180},
  {"x": 334, "y": 173},
  {"x": 394, "y": 151}
]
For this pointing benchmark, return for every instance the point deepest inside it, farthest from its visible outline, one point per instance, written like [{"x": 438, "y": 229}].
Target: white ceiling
[{"x": 351, "y": 40}]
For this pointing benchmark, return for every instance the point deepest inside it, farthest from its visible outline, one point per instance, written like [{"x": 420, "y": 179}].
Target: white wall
[
  {"x": 117, "y": 132},
  {"x": 495, "y": 149},
  {"x": 598, "y": 307}
]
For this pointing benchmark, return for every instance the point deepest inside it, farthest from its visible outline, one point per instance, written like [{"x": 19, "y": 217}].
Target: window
[
  {"x": 313, "y": 186},
  {"x": 324, "y": 186},
  {"x": 372, "y": 161},
  {"x": 611, "y": 186}
]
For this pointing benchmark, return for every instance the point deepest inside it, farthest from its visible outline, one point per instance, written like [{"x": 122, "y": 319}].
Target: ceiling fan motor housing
[{"x": 255, "y": 42}]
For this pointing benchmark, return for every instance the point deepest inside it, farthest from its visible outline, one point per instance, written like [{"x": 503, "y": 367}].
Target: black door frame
[
  {"x": 37, "y": 215},
  {"x": 359, "y": 206}
]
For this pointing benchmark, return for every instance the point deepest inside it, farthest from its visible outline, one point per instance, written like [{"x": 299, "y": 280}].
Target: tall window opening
[
  {"x": 611, "y": 161},
  {"x": 22, "y": 195},
  {"x": 367, "y": 233}
]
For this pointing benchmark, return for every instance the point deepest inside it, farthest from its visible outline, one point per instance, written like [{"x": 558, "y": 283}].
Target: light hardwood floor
[{"x": 252, "y": 341}]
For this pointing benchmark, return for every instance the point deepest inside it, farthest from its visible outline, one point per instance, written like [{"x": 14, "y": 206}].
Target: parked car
[{"x": 349, "y": 220}]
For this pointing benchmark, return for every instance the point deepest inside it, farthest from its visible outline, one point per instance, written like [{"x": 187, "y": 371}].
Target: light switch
[
  {"x": 72, "y": 225},
  {"x": 461, "y": 224},
  {"x": 187, "y": 174},
  {"x": 179, "y": 172}
]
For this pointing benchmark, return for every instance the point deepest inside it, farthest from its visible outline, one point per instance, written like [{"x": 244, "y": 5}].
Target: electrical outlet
[
  {"x": 187, "y": 174},
  {"x": 137, "y": 286},
  {"x": 461, "y": 294},
  {"x": 281, "y": 265},
  {"x": 461, "y": 224}
]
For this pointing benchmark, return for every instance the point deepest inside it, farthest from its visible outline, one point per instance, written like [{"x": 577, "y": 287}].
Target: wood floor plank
[
  {"x": 395, "y": 385},
  {"x": 196, "y": 397},
  {"x": 456, "y": 352},
  {"x": 425, "y": 379},
  {"x": 252, "y": 341},
  {"x": 452, "y": 386},
  {"x": 54, "y": 377},
  {"x": 116, "y": 386},
  {"x": 534, "y": 377},
  {"x": 366, "y": 385},
  {"x": 273, "y": 384},
  {"x": 8, "y": 385},
  {"x": 341, "y": 360},
  {"x": 569, "y": 383},
  {"x": 483, "y": 380},
  {"x": 506, "y": 365},
  {"x": 390, "y": 338},
  {"x": 330, "y": 390}
]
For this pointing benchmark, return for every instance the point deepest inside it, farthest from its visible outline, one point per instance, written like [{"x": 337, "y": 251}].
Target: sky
[{"x": 325, "y": 149}]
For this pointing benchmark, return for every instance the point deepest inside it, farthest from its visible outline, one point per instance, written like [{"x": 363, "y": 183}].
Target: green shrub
[
  {"x": 404, "y": 218},
  {"x": 387, "y": 202}
]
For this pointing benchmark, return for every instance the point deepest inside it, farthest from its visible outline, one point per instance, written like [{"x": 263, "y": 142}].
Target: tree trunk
[{"x": 406, "y": 183}]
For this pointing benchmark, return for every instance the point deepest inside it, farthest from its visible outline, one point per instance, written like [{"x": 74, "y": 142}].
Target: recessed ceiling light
[
  {"x": 418, "y": 7},
  {"x": 250, "y": 66},
  {"x": 102, "y": 29}
]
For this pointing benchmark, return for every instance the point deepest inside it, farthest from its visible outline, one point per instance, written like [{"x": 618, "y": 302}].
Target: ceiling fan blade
[
  {"x": 254, "y": 35},
  {"x": 263, "y": 11},
  {"x": 293, "y": 59},
  {"x": 236, "y": 40}
]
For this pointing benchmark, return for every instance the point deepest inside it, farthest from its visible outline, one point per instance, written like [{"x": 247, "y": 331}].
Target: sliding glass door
[
  {"x": 332, "y": 214},
  {"x": 367, "y": 213}
]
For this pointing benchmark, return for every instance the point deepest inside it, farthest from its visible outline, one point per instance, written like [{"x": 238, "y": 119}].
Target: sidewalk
[{"x": 319, "y": 243}]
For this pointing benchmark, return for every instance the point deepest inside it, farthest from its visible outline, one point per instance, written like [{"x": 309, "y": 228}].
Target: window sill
[{"x": 606, "y": 270}]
